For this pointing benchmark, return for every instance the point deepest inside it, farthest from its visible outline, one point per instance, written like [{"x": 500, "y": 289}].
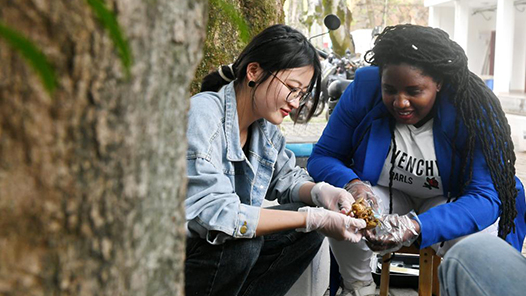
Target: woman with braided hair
[
  {"x": 237, "y": 158},
  {"x": 427, "y": 143}
]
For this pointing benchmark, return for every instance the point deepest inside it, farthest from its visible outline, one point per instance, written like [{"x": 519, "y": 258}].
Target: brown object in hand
[{"x": 361, "y": 210}]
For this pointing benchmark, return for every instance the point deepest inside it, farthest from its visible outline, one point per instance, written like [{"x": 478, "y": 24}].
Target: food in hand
[{"x": 361, "y": 210}]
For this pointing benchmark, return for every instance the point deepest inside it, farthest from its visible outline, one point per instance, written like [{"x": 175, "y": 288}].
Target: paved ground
[{"x": 301, "y": 133}]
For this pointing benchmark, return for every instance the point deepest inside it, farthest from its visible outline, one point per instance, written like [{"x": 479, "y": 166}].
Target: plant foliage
[
  {"x": 32, "y": 54},
  {"x": 236, "y": 17},
  {"x": 109, "y": 21}
]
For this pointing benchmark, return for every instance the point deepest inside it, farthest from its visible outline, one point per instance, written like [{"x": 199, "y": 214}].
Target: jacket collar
[{"x": 234, "y": 151}]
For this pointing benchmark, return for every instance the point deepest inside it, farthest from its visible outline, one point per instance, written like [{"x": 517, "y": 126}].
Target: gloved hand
[
  {"x": 393, "y": 232},
  {"x": 332, "y": 198},
  {"x": 336, "y": 225},
  {"x": 360, "y": 189}
]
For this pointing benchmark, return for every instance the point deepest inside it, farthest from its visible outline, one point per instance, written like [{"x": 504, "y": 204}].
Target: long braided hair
[{"x": 431, "y": 50}]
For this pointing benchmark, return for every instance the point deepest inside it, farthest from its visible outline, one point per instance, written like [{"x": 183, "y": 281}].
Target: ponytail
[{"x": 217, "y": 79}]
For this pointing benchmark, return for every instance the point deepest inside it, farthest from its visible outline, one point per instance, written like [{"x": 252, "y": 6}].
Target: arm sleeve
[
  {"x": 213, "y": 206},
  {"x": 476, "y": 209},
  {"x": 287, "y": 177},
  {"x": 330, "y": 154}
]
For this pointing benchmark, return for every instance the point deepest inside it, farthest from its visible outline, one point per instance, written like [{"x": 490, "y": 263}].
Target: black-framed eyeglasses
[{"x": 295, "y": 93}]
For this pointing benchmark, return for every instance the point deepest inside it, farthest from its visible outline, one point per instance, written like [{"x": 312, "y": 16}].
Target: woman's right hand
[
  {"x": 394, "y": 232},
  {"x": 333, "y": 224},
  {"x": 360, "y": 189},
  {"x": 332, "y": 198}
]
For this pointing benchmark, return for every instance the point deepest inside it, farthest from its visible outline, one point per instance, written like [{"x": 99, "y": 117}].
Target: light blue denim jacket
[{"x": 225, "y": 188}]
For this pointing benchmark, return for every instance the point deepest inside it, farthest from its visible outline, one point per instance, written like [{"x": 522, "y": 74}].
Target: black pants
[{"x": 267, "y": 265}]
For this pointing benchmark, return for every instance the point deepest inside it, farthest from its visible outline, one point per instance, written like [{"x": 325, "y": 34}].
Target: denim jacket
[{"x": 225, "y": 187}]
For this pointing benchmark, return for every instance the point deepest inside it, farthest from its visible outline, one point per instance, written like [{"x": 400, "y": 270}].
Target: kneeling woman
[{"x": 429, "y": 136}]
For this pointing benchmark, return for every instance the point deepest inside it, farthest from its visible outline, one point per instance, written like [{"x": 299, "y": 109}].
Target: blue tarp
[{"x": 301, "y": 149}]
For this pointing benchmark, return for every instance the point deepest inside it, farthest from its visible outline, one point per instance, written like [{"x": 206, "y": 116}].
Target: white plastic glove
[
  {"x": 360, "y": 189},
  {"x": 333, "y": 224},
  {"x": 393, "y": 232},
  {"x": 332, "y": 198}
]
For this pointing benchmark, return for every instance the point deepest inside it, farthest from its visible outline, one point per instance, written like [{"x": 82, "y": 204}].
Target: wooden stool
[{"x": 428, "y": 275}]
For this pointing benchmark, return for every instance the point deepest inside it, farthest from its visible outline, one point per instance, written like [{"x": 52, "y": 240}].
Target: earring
[{"x": 251, "y": 83}]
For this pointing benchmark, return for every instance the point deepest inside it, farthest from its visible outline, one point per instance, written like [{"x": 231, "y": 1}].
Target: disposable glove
[
  {"x": 393, "y": 232},
  {"x": 360, "y": 189},
  {"x": 332, "y": 224},
  {"x": 332, "y": 198}
]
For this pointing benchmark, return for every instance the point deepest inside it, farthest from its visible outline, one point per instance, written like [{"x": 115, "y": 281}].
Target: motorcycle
[
  {"x": 331, "y": 22},
  {"x": 343, "y": 75},
  {"x": 334, "y": 69},
  {"x": 335, "y": 90},
  {"x": 338, "y": 86}
]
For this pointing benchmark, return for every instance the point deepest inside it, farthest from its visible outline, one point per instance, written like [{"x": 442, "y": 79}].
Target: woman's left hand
[
  {"x": 393, "y": 232},
  {"x": 331, "y": 198}
]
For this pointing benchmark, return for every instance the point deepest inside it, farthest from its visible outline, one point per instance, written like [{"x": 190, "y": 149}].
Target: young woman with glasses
[{"x": 237, "y": 158}]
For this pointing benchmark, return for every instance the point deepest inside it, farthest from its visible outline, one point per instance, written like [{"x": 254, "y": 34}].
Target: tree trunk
[
  {"x": 222, "y": 43},
  {"x": 378, "y": 14},
  {"x": 92, "y": 178},
  {"x": 296, "y": 15},
  {"x": 370, "y": 14},
  {"x": 341, "y": 39}
]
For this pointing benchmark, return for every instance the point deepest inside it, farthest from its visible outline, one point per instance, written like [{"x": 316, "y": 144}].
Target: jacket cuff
[
  {"x": 247, "y": 221},
  {"x": 427, "y": 232},
  {"x": 345, "y": 178}
]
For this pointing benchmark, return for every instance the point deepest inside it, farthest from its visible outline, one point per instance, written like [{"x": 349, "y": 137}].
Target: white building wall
[
  {"x": 445, "y": 19},
  {"x": 519, "y": 53},
  {"x": 462, "y": 12},
  {"x": 433, "y": 17},
  {"x": 479, "y": 39},
  {"x": 511, "y": 71},
  {"x": 504, "y": 45}
]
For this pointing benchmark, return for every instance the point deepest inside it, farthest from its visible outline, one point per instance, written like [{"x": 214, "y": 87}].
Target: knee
[
  {"x": 472, "y": 247},
  {"x": 311, "y": 242},
  {"x": 346, "y": 247},
  {"x": 467, "y": 253},
  {"x": 300, "y": 241},
  {"x": 315, "y": 238},
  {"x": 245, "y": 252}
]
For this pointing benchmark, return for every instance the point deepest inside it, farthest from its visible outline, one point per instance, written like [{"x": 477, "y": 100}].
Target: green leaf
[
  {"x": 109, "y": 21},
  {"x": 32, "y": 54},
  {"x": 233, "y": 14}
]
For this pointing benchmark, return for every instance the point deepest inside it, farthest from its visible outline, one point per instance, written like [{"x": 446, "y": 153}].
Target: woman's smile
[
  {"x": 284, "y": 112},
  {"x": 405, "y": 115},
  {"x": 407, "y": 93}
]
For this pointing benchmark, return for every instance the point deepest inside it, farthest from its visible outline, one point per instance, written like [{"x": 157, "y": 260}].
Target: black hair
[
  {"x": 278, "y": 47},
  {"x": 478, "y": 109}
]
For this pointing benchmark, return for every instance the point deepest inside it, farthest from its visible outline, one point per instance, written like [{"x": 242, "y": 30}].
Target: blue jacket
[
  {"x": 225, "y": 188},
  {"x": 356, "y": 142}
]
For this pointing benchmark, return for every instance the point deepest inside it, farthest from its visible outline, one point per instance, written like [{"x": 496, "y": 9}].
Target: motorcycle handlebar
[{"x": 322, "y": 53}]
